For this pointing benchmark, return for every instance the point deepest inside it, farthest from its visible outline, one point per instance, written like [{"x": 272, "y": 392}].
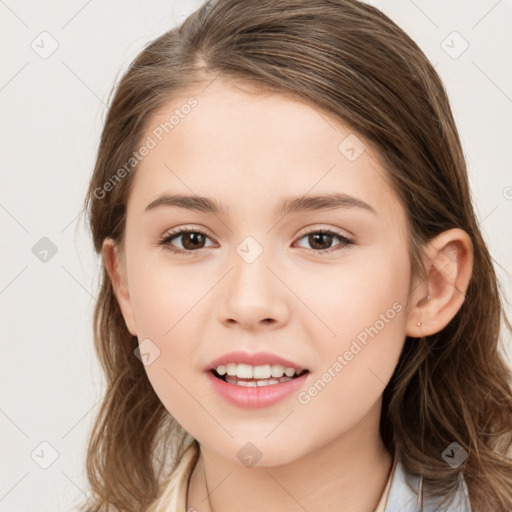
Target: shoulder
[{"x": 402, "y": 497}]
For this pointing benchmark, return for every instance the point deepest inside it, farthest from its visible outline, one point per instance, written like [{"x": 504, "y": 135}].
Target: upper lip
[{"x": 252, "y": 358}]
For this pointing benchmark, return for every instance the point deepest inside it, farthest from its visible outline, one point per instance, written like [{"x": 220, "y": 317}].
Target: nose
[{"x": 253, "y": 296}]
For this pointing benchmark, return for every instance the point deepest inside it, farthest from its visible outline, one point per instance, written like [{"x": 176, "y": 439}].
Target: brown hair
[{"x": 347, "y": 59}]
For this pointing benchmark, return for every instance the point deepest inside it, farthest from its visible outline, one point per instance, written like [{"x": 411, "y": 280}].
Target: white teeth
[
  {"x": 289, "y": 372},
  {"x": 231, "y": 369},
  {"x": 246, "y": 371},
  {"x": 278, "y": 370},
  {"x": 253, "y": 383},
  {"x": 261, "y": 372}
]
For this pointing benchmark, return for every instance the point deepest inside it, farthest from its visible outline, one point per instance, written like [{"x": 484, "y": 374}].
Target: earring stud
[{"x": 419, "y": 324}]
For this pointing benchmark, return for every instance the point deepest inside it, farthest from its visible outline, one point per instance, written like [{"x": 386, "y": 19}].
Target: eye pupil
[
  {"x": 195, "y": 237},
  {"x": 315, "y": 239}
]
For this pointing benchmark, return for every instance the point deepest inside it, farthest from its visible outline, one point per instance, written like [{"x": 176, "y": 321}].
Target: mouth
[
  {"x": 262, "y": 376},
  {"x": 247, "y": 386}
]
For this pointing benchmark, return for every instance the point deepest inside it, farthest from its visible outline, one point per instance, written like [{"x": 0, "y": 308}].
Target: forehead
[{"x": 249, "y": 150}]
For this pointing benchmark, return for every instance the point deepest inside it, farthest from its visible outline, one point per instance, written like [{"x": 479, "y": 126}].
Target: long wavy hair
[{"x": 351, "y": 61}]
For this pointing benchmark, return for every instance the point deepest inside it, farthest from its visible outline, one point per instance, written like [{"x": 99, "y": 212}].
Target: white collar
[{"x": 402, "y": 498}]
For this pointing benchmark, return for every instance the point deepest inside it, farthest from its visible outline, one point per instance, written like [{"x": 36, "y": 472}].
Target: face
[{"x": 325, "y": 288}]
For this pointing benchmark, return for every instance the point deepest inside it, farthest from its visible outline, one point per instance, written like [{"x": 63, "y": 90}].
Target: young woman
[{"x": 297, "y": 308}]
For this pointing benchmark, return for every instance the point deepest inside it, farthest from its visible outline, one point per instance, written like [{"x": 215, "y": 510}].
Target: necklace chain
[{"x": 206, "y": 486}]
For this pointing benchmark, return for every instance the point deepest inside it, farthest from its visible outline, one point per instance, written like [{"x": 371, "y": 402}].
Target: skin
[{"x": 251, "y": 151}]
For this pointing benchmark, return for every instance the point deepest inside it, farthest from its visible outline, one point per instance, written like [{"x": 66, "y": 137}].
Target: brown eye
[
  {"x": 191, "y": 240},
  {"x": 321, "y": 241}
]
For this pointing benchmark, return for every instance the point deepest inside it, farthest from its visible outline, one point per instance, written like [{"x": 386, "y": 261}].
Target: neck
[{"x": 349, "y": 473}]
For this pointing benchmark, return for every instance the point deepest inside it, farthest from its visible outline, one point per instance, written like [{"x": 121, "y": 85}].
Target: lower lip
[{"x": 255, "y": 397}]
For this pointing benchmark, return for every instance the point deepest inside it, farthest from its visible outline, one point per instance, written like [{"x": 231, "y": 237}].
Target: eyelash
[{"x": 165, "y": 241}]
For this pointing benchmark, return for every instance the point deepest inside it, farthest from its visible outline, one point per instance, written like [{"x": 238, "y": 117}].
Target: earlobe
[
  {"x": 449, "y": 266},
  {"x": 116, "y": 271}
]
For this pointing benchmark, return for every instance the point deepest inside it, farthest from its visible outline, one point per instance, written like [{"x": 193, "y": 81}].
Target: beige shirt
[{"x": 174, "y": 495}]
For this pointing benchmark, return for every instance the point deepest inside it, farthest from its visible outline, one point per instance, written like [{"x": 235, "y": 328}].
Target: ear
[
  {"x": 449, "y": 266},
  {"x": 116, "y": 270}
]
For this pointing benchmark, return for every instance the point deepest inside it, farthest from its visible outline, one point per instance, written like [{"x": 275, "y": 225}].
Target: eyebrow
[{"x": 290, "y": 205}]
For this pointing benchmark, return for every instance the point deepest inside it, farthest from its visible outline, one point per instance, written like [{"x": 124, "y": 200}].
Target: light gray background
[{"x": 51, "y": 111}]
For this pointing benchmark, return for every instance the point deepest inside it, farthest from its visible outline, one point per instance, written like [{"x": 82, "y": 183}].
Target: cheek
[
  {"x": 166, "y": 302},
  {"x": 162, "y": 293},
  {"x": 365, "y": 310},
  {"x": 340, "y": 300}
]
